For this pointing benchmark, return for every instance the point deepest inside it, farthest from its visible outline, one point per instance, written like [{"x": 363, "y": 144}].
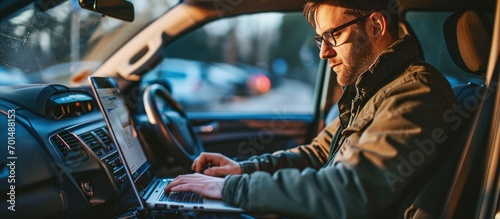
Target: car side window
[{"x": 259, "y": 63}]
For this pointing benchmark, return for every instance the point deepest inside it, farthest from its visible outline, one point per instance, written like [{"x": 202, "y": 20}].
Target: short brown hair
[{"x": 358, "y": 8}]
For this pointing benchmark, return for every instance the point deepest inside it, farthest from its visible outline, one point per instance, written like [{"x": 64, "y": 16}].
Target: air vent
[
  {"x": 93, "y": 144},
  {"x": 103, "y": 134},
  {"x": 69, "y": 148},
  {"x": 100, "y": 148}
]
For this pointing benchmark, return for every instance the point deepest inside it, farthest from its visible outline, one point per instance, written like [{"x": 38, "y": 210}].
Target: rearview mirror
[{"x": 120, "y": 9}]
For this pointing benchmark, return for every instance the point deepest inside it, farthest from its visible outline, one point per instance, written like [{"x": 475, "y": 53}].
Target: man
[{"x": 390, "y": 127}]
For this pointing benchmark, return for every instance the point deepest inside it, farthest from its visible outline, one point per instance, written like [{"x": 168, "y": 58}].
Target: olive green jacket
[{"x": 391, "y": 126}]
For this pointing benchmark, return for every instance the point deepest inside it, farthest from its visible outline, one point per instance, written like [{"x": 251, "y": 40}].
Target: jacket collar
[
  {"x": 386, "y": 66},
  {"x": 389, "y": 64}
]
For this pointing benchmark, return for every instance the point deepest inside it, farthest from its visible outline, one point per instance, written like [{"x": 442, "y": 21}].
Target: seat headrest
[{"x": 468, "y": 39}]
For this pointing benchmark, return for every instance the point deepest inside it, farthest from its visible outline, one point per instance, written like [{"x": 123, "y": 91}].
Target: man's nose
[{"x": 326, "y": 52}]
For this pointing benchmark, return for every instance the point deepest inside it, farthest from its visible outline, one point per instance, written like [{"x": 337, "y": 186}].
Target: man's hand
[
  {"x": 208, "y": 186},
  {"x": 213, "y": 164}
]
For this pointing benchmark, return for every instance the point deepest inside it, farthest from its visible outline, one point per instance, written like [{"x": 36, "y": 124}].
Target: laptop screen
[{"x": 122, "y": 130}]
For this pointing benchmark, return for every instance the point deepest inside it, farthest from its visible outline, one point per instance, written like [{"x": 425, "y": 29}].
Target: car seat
[{"x": 468, "y": 37}]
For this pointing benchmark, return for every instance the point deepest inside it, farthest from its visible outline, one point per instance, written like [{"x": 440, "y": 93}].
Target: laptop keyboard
[{"x": 182, "y": 197}]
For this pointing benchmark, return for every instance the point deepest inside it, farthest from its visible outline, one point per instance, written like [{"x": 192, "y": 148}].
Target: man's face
[{"x": 354, "y": 53}]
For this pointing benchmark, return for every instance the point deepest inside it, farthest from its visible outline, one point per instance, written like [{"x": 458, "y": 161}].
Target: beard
[{"x": 361, "y": 58}]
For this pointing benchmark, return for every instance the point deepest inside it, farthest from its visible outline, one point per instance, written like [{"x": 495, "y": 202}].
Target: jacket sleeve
[
  {"x": 402, "y": 140},
  {"x": 312, "y": 155}
]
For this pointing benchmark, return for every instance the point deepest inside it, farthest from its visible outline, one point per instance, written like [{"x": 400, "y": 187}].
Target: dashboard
[{"x": 59, "y": 158}]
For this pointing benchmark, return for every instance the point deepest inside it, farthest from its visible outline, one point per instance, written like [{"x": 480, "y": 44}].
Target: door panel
[{"x": 242, "y": 136}]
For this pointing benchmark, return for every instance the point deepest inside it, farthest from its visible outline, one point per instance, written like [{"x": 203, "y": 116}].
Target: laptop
[{"x": 147, "y": 188}]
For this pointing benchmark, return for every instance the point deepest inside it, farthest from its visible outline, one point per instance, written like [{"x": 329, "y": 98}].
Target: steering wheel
[{"x": 171, "y": 124}]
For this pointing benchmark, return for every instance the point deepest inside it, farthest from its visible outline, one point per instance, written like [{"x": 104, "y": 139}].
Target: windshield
[{"x": 62, "y": 43}]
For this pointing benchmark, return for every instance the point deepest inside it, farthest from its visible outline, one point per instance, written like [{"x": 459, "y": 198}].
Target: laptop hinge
[{"x": 150, "y": 188}]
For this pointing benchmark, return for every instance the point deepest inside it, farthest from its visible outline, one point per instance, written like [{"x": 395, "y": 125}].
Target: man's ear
[{"x": 378, "y": 25}]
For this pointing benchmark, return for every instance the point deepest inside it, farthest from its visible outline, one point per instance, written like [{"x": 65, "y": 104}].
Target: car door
[{"x": 250, "y": 83}]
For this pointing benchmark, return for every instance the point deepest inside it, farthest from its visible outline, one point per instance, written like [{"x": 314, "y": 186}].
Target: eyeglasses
[{"x": 329, "y": 36}]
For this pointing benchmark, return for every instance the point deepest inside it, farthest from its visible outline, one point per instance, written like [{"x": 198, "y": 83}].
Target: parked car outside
[{"x": 196, "y": 84}]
